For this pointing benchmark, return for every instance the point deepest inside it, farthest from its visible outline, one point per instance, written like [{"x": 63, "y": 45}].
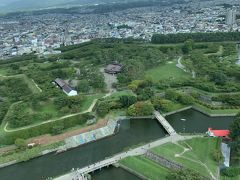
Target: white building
[{"x": 65, "y": 87}]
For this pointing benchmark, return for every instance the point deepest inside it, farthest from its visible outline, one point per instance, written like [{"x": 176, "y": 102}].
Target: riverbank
[
  {"x": 67, "y": 144},
  {"x": 24, "y": 155}
]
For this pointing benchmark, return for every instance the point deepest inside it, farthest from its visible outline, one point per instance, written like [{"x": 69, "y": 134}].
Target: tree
[
  {"x": 172, "y": 95},
  {"x": 184, "y": 174},
  {"x": 103, "y": 108},
  {"x": 188, "y": 46},
  {"x": 218, "y": 77},
  {"x": 127, "y": 100},
  {"x": 142, "y": 108},
  {"x": 21, "y": 143},
  {"x": 217, "y": 155},
  {"x": 235, "y": 135},
  {"x": 186, "y": 99},
  {"x": 57, "y": 129},
  {"x": 231, "y": 171},
  {"x": 83, "y": 86},
  {"x": 145, "y": 94},
  {"x": 162, "y": 104}
]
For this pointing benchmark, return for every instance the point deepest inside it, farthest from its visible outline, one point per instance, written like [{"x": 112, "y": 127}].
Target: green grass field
[
  {"x": 89, "y": 100},
  {"x": 168, "y": 71},
  {"x": 202, "y": 149},
  {"x": 49, "y": 108},
  {"x": 146, "y": 167},
  {"x": 3, "y": 72},
  {"x": 121, "y": 93}
]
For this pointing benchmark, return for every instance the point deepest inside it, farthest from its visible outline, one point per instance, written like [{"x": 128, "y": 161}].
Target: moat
[{"x": 132, "y": 133}]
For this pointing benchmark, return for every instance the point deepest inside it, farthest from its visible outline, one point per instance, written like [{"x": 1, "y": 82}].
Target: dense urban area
[
  {"x": 42, "y": 33},
  {"x": 133, "y": 90}
]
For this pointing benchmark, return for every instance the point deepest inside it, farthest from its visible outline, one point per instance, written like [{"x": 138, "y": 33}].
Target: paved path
[
  {"x": 133, "y": 152},
  {"x": 180, "y": 65},
  {"x": 165, "y": 123},
  {"x": 109, "y": 80}
]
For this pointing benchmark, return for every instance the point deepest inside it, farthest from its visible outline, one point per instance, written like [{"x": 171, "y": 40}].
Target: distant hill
[{"x": 25, "y": 5}]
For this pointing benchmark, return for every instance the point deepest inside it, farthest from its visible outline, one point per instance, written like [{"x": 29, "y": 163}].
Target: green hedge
[
  {"x": 9, "y": 138},
  {"x": 197, "y": 37}
]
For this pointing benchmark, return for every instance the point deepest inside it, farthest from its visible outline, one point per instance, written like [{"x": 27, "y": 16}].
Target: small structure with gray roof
[
  {"x": 113, "y": 68},
  {"x": 65, "y": 87}
]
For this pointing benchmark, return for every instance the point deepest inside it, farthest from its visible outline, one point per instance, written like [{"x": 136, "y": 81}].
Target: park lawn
[
  {"x": 168, "y": 71},
  {"x": 122, "y": 93},
  {"x": 169, "y": 150},
  {"x": 89, "y": 100},
  {"x": 146, "y": 167},
  {"x": 216, "y": 111},
  {"x": 202, "y": 149},
  {"x": 3, "y": 72},
  {"x": 49, "y": 108}
]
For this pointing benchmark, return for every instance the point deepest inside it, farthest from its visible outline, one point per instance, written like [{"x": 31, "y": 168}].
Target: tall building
[{"x": 231, "y": 17}]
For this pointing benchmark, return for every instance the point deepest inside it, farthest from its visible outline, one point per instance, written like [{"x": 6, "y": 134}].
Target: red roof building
[{"x": 218, "y": 133}]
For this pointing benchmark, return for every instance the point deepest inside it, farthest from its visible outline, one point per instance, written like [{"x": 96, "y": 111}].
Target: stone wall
[
  {"x": 163, "y": 161},
  {"x": 166, "y": 162}
]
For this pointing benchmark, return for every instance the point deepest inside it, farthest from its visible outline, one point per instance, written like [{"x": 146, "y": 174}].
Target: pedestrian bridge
[{"x": 165, "y": 123}]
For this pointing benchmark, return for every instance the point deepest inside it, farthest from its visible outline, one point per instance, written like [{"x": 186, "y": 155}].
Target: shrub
[
  {"x": 142, "y": 108},
  {"x": 231, "y": 172}
]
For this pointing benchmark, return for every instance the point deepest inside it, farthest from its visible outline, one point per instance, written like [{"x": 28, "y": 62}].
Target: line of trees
[{"x": 197, "y": 37}]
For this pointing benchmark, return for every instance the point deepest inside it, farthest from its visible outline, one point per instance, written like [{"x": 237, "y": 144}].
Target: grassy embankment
[
  {"x": 198, "y": 158},
  {"x": 145, "y": 167},
  {"x": 24, "y": 155}
]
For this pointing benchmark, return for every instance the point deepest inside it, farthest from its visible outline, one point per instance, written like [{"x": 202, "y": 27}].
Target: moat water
[{"x": 132, "y": 132}]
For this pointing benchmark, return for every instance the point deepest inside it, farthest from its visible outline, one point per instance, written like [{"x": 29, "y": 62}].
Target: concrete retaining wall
[{"x": 8, "y": 164}]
